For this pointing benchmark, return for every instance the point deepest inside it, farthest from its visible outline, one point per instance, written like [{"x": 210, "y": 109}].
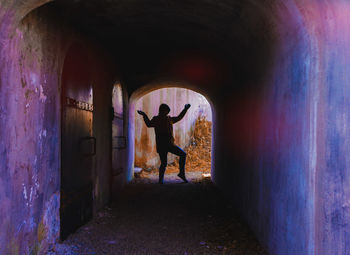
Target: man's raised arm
[
  {"x": 146, "y": 119},
  {"x": 181, "y": 115}
]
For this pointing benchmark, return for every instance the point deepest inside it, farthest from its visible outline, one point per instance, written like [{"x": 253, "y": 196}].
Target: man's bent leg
[
  {"x": 163, "y": 155},
  {"x": 182, "y": 161}
]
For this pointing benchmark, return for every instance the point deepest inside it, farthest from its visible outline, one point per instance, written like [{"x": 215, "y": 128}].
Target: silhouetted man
[{"x": 163, "y": 125}]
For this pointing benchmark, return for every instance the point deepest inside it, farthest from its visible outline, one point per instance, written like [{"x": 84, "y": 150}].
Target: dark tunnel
[{"x": 274, "y": 72}]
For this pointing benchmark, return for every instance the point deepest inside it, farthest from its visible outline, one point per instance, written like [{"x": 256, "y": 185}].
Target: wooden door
[{"x": 78, "y": 144}]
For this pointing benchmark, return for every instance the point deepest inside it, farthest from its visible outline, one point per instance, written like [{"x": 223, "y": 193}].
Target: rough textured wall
[
  {"x": 328, "y": 24},
  {"x": 31, "y": 61},
  {"x": 145, "y": 147},
  {"x": 30, "y": 131},
  {"x": 266, "y": 146},
  {"x": 283, "y": 154}
]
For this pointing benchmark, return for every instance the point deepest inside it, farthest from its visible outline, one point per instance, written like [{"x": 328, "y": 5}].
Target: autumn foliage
[{"x": 199, "y": 149}]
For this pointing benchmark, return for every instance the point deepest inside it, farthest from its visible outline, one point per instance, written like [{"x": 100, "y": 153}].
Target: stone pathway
[{"x": 174, "y": 218}]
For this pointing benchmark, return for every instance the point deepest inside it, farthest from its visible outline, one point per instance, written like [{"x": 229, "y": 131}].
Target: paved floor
[{"x": 173, "y": 218}]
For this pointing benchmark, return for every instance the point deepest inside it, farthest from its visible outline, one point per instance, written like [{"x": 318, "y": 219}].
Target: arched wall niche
[
  {"x": 29, "y": 6},
  {"x": 12, "y": 14}
]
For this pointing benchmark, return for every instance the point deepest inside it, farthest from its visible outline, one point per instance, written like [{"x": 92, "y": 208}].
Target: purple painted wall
[
  {"x": 31, "y": 61},
  {"x": 145, "y": 147},
  {"x": 29, "y": 120},
  {"x": 331, "y": 122},
  {"x": 289, "y": 143}
]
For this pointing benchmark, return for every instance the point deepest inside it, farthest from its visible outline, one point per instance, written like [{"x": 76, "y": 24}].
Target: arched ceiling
[{"x": 147, "y": 37}]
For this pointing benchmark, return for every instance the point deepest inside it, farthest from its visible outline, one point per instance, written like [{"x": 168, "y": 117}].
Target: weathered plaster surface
[
  {"x": 290, "y": 142},
  {"x": 29, "y": 121},
  {"x": 331, "y": 88},
  {"x": 30, "y": 75}
]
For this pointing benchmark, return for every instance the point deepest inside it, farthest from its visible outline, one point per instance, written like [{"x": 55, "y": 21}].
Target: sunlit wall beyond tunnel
[
  {"x": 142, "y": 147},
  {"x": 146, "y": 156}
]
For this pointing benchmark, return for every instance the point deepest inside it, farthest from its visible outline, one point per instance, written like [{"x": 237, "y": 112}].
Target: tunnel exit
[{"x": 193, "y": 134}]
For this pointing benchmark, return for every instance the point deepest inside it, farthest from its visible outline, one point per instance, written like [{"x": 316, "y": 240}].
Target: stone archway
[{"x": 131, "y": 126}]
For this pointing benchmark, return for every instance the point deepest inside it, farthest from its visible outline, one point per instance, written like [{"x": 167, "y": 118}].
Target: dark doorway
[{"x": 78, "y": 143}]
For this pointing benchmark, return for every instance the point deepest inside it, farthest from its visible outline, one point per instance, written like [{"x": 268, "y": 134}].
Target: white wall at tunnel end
[
  {"x": 130, "y": 123},
  {"x": 176, "y": 98}
]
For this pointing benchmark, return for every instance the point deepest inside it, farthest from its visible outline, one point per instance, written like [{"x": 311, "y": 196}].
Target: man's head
[{"x": 164, "y": 109}]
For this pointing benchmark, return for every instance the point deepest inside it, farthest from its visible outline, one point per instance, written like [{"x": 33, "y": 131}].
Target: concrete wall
[
  {"x": 289, "y": 142},
  {"x": 31, "y": 61},
  {"x": 329, "y": 124},
  {"x": 146, "y": 155}
]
